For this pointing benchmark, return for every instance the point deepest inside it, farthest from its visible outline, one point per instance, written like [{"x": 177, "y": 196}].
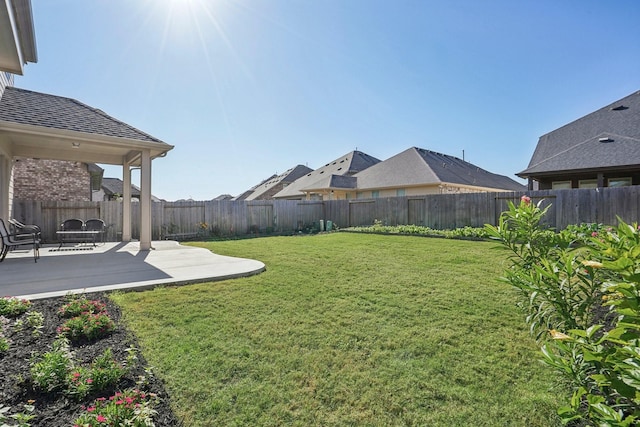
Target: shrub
[
  {"x": 79, "y": 305},
  {"x": 50, "y": 373},
  {"x": 103, "y": 373},
  {"x": 13, "y": 307},
  {"x": 88, "y": 326},
  {"x": 567, "y": 279},
  {"x": 131, "y": 408}
]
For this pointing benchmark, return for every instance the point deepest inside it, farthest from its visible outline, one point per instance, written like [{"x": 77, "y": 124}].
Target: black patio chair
[
  {"x": 96, "y": 224},
  {"x": 13, "y": 240},
  {"x": 20, "y": 228},
  {"x": 72, "y": 225}
]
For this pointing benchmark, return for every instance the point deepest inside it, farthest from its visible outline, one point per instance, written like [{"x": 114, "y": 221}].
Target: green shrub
[
  {"x": 13, "y": 307},
  {"x": 79, "y": 305},
  {"x": 87, "y": 326},
  {"x": 131, "y": 408},
  {"x": 103, "y": 373},
  {"x": 569, "y": 280},
  {"x": 51, "y": 371}
]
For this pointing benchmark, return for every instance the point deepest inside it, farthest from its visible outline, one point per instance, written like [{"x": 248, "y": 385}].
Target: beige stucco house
[{"x": 413, "y": 172}]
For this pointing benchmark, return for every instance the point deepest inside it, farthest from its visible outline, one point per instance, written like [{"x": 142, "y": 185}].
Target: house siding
[{"x": 40, "y": 179}]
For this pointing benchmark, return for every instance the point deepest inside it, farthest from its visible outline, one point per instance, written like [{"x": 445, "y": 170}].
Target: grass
[{"x": 348, "y": 330}]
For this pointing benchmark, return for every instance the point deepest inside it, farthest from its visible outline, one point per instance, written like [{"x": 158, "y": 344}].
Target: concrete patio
[{"x": 115, "y": 265}]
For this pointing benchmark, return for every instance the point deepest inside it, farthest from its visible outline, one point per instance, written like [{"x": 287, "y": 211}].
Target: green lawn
[{"x": 348, "y": 330}]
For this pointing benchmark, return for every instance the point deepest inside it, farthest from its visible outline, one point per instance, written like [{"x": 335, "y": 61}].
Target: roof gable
[
  {"x": 288, "y": 176},
  {"x": 417, "y": 166},
  {"x": 577, "y": 145},
  {"x": 349, "y": 164}
]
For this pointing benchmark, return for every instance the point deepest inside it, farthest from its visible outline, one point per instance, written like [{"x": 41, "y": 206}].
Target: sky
[{"x": 245, "y": 89}]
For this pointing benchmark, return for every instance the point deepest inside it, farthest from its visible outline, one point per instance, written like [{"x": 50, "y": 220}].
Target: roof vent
[
  {"x": 619, "y": 108},
  {"x": 605, "y": 139}
]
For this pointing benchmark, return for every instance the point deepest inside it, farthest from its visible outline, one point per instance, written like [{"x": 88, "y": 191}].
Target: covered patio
[{"x": 113, "y": 266}]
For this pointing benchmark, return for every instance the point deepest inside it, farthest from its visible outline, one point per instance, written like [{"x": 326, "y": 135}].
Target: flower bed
[{"x": 49, "y": 380}]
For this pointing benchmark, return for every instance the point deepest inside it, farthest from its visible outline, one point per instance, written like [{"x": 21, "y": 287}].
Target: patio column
[
  {"x": 126, "y": 201},
  {"x": 145, "y": 201}
]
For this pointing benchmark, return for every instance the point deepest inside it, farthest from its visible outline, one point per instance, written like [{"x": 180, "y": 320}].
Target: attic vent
[
  {"x": 605, "y": 139},
  {"x": 619, "y": 108},
  {"x": 321, "y": 171}
]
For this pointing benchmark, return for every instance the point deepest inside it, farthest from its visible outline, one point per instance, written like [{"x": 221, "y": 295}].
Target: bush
[
  {"x": 568, "y": 280},
  {"x": 13, "y": 307},
  {"x": 131, "y": 408},
  {"x": 88, "y": 326}
]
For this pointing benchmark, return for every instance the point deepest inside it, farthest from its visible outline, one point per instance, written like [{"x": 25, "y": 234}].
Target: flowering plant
[
  {"x": 103, "y": 372},
  {"x": 88, "y": 325},
  {"x": 77, "y": 306},
  {"x": 130, "y": 408},
  {"x": 13, "y": 307}
]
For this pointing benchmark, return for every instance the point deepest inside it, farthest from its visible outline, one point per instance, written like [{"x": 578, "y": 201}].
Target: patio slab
[{"x": 115, "y": 265}]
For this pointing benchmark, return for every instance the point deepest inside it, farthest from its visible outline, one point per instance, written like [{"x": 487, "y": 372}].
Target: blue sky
[{"x": 248, "y": 88}]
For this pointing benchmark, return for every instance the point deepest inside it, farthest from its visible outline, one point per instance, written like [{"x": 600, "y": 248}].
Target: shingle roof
[
  {"x": 417, "y": 166},
  {"x": 50, "y": 111},
  {"x": 113, "y": 186},
  {"x": 606, "y": 138},
  {"x": 287, "y": 177},
  {"x": 349, "y": 164}
]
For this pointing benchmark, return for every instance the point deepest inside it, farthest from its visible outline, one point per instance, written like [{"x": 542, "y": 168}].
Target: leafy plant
[
  {"x": 13, "y": 307},
  {"x": 89, "y": 326},
  {"x": 79, "y": 305},
  {"x": 104, "y": 372},
  {"x": 51, "y": 371},
  {"x": 130, "y": 408},
  {"x": 35, "y": 320},
  {"x": 559, "y": 291},
  {"x": 568, "y": 280},
  {"x": 22, "y": 418}
]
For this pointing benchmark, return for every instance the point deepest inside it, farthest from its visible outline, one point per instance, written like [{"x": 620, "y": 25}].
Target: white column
[
  {"x": 145, "y": 201},
  {"x": 126, "y": 201}
]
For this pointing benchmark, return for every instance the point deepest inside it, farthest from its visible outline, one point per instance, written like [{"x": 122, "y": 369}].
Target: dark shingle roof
[
  {"x": 56, "y": 112},
  {"x": 417, "y": 166},
  {"x": 261, "y": 190},
  {"x": 606, "y": 138},
  {"x": 349, "y": 164}
]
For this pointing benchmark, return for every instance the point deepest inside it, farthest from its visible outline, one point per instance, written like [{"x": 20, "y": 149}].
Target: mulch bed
[{"x": 54, "y": 409}]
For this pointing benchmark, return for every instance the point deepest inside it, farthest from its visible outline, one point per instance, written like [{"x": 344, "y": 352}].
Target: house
[
  {"x": 344, "y": 166},
  {"x": 44, "y": 179},
  {"x": 35, "y": 125},
  {"x": 113, "y": 189},
  {"x": 601, "y": 149},
  {"x": 413, "y": 172},
  {"x": 274, "y": 184}
]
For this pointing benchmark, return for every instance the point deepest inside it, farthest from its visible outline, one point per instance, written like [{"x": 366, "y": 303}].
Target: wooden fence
[{"x": 228, "y": 218}]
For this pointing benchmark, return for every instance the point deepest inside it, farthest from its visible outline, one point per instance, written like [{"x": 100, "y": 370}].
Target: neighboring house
[
  {"x": 345, "y": 166},
  {"x": 223, "y": 197},
  {"x": 41, "y": 126},
  {"x": 601, "y": 149},
  {"x": 274, "y": 184},
  {"x": 42, "y": 179},
  {"x": 413, "y": 172},
  {"x": 113, "y": 189}
]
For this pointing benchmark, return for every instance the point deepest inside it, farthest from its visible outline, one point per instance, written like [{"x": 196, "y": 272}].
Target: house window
[
  {"x": 375, "y": 194},
  {"x": 400, "y": 192},
  {"x": 359, "y": 195},
  {"x": 588, "y": 183},
  {"x": 619, "y": 182},
  {"x": 560, "y": 185}
]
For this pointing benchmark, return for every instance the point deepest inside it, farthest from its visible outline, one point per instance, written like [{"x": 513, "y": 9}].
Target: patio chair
[
  {"x": 20, "y": 228},
  {"x": 72, "y": 225},
  {"x": 13, "y": 240},
  {"x": 96, "y": 224}
]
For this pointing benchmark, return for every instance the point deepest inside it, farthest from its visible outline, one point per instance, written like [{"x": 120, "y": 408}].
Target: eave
[
  {"x": 17, "y": 36},
  {"x": 58, "y": 144}
]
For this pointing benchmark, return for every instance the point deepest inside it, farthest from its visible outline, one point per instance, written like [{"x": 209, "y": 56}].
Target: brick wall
[{"x": 51, "y": 180}]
